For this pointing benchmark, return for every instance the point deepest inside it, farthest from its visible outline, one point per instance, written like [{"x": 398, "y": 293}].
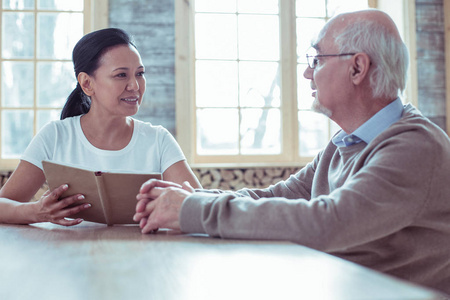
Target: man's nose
[{"x": 308, "y": 73}]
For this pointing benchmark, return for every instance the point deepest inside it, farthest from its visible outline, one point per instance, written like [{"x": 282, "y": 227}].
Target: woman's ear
[
  {"x": 359, "y": 68},
  {"x": 85, "y": 82}
]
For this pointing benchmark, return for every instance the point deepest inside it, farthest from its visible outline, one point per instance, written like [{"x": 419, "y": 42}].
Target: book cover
[{"x": 112, "y": 195}]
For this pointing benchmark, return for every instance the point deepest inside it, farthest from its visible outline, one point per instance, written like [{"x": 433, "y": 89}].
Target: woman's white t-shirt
[{"x": 152, "y": 149}]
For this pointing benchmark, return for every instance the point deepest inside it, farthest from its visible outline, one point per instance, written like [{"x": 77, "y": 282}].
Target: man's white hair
[{"x": 388, "y": 54}]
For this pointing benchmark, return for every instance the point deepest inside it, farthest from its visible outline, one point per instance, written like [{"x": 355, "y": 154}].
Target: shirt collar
[{"x": 372, "y": 127}]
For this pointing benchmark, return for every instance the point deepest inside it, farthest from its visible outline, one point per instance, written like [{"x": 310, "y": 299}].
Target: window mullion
[
  {"x": 288, "y": 64},
  {"x": 1, "y": 81},
  {"x": 35, "y": 68},
  {"x": 185, "y": 78}
]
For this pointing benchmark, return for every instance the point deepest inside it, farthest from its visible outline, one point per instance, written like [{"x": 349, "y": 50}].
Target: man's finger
[
  {"x": 142, "y": 203},
  {"x": 152, "y": 183},
  {"x": 188, "y": 187},
  {"x": 142, "y": 222},
  {"x": 143, "y": 209},
  {"x": 150, "y": 226},
  {"x": 151, "y": 194}
]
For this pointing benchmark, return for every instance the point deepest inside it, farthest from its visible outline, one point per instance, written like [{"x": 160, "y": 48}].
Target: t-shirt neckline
[{"x": 88, "y": 144}]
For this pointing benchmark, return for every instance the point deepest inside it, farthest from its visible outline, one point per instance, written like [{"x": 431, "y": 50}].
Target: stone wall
[
  {"x": 431, "y": 59},
  {"x": 152, "y": 24}
]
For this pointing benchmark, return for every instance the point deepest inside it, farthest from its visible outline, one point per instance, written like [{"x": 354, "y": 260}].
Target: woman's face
[{"x": 118, "y": 84}]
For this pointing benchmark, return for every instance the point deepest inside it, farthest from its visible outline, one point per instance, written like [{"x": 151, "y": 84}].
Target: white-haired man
[{"x": 377, "y": 195}]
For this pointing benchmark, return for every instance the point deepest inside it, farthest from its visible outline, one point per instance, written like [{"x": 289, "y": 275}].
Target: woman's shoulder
[
  {"x": 67, "y": 122},
  {"x": 60, "y": 125},
  {"x": 149, "y": 128}
]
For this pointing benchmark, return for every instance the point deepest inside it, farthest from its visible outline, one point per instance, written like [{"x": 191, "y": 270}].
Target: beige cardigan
[{"x": 384, "y": 205}]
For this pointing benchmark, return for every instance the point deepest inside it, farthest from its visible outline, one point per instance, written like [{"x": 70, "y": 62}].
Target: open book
[{"x": 112, "y": 195}]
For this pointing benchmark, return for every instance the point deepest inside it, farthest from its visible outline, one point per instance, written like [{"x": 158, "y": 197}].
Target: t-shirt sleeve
[
  {"x": 40, "y": 146},
  {"x": 170, "y": 150}
]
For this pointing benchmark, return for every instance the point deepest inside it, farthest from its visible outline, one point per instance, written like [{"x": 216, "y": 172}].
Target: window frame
[
  {"x": 447, "y": 62},
  {"x": 185, "y": 83},
  {"x": 95, "y": 14}
]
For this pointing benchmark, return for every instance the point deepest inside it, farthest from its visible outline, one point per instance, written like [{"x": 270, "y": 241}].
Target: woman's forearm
[{"x": 14, "y": 212}]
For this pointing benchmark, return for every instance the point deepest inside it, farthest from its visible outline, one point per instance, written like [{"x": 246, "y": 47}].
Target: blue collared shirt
[{"x": 372, "y": 127}]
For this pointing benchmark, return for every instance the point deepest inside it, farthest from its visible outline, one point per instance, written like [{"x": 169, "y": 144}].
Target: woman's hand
[{"x": 50, "y": 209}]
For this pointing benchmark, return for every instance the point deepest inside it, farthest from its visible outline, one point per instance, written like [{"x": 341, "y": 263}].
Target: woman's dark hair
[{"x": 85, "y": 56}]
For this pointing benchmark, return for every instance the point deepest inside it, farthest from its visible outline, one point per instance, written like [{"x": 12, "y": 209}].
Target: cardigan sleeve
[{"x": 384, "y": 195}]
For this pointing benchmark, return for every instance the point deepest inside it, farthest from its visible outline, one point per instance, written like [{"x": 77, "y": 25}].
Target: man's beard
[{"x": 319, "y": 108}]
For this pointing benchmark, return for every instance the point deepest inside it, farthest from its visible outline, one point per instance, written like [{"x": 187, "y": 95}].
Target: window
[
  {"x": 36, "y": 70},
  {"x": 241, "y": 95}
]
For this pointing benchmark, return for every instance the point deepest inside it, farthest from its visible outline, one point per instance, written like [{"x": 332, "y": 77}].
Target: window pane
[
  {"x": 217, "y": 131},
  {"x": 17, "y": 132},
  {"x": 228, "y": 6},
  {"x": 215, "y": 36},
  {"x": 304, "y": 91},
  {"x": 307, "y": 31},
  {"x": 339, "y": 6},
  {"x": 17, "y": 84},
  {"x": 18, "y": 4},
  {"x": 260, "y": 131},
  {"x": 73, "y": 5},
  {"x": 313, "y": 132},
  {"x": 258, "y": 37},
  {"x": 333, "y": 128},
  {"x": 45, "y": 116},
  {"x": 308, "y": 8},
  {"x": 258, "y": 6},
  {"x": 216, "y": 84},
  {"x": 55, "y": 81},
  {"x": 259, "y": 84},
  {"x": 17, "y": 35},
  {"x": 58, "y": 33}
]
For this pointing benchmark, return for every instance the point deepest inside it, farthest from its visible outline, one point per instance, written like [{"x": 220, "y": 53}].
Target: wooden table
[{"x": 93, "y": 261}]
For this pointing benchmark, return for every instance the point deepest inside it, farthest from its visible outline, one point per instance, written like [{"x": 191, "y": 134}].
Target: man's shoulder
[
  {"x": 415, "y": 125},
  {"x": 413, "y": 133}
]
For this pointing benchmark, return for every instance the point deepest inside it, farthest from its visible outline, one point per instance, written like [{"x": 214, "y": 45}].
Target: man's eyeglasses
[{"x": 313, "y": 61}]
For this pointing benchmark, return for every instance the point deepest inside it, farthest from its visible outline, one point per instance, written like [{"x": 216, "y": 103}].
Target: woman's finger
[
  {"x": 66, "y": 222},
  {"x": 68, "y": 201},
  {"x": 53, "y": 196}
]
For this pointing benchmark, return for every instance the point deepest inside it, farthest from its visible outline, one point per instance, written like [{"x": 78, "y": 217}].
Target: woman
[{"x": 95, "y": 132}]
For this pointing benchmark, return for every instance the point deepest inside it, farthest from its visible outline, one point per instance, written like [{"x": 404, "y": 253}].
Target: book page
[{"x": 122, "y": 190}]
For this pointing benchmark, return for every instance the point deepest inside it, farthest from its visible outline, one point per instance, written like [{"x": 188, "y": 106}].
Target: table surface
[{"x": 93, "y": 261}]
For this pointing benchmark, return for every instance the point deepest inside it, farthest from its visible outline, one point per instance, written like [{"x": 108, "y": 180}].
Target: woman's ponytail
[{"x": 78, "y": 103}]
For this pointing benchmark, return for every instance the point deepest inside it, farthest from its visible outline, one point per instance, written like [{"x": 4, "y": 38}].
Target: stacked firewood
[{"x": 235, "y": 179}]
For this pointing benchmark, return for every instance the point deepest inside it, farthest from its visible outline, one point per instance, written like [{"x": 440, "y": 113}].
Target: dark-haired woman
[{"x": 96, "y": 132}]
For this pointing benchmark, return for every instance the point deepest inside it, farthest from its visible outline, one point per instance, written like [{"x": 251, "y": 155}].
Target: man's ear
[
  {"x": 359, "y": 68},
  {"x": 85, "y": 82}
]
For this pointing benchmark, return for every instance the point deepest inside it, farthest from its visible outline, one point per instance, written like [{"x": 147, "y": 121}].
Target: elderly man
[{"x": 377, "y": 195}]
